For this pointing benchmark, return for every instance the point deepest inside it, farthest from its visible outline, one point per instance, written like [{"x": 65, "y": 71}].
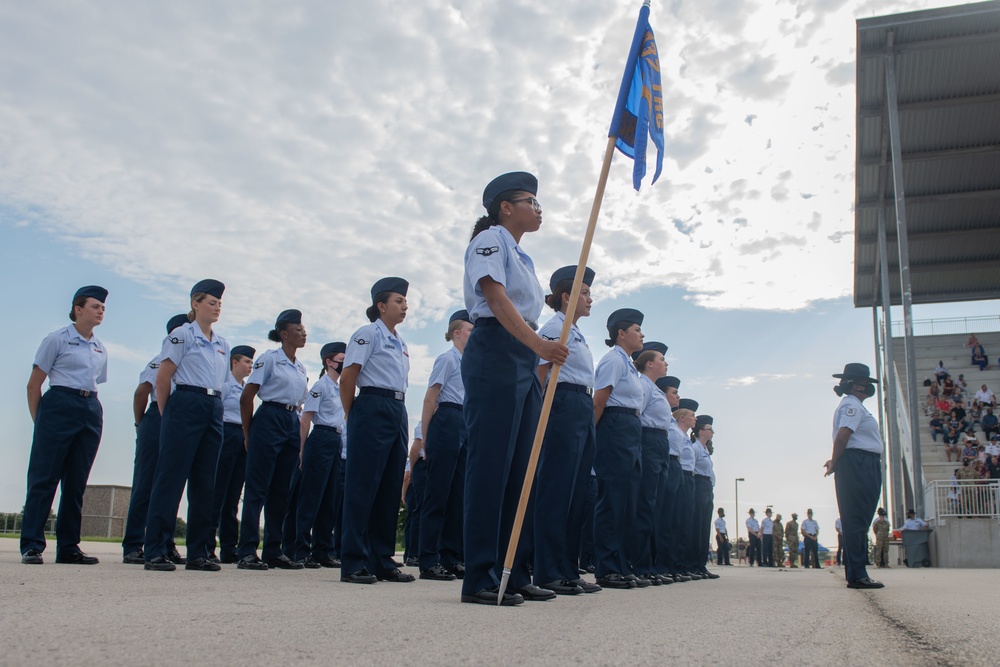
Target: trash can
[{"x": 916, "y": 545}]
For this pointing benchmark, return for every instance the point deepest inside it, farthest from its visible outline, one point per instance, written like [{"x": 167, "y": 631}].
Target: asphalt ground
[{"x": 116, "y": 614}]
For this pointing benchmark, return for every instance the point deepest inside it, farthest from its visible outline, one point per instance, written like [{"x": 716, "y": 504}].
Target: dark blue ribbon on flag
[{"x": 639, "y": 110}]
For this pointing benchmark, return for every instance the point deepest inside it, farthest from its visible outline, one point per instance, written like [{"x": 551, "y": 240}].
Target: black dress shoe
[
  {"x": 639, "y": 582},
  {"x": 489, "y": 596},
  {"x": 134, "y": 558},
  {"x": 867, "y": 582},
  {"x": 32, "y": 557},
  {"x": 396, "y": 576},
  {"x": 590, "y": 569},
  {"x": 359, "y": 577},
  {"x": 77, "y": 558},
  {"x": 283, "y": 562},
  {"x": 409, "y": 562},
  {"x": 251, "y": 562},
  {"x": 563, "y": 587},
  {"x": 678, "y": 578},
  {"x": 328, "y": 562},
  {"x": 227, "y": 559},
  {"x": 308, "y": 563},
  {"x": 160, "y": 564},
  {"x": 214, "y": 559},
  {"x": 458, "y": 569},
  {"x": 175, "y": 557},
  {"x": 587, "y": 586},
  {"x": 652, "y": 578},
  {"x": 202, "y": 565},
  {"x": 532, "y": 593},
  {"x": 665, "y": 579},
  {"x": 437, "y": 573},
  {"x": 615, "y": 580},
  {"x": 705, "y": 574}
]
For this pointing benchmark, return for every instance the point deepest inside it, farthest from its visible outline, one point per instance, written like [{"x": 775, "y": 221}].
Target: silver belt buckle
[
  {"x": 212, "y": 392},
  {"x": 85, "y": 393},
  {"x": 399, "y": 396},
  {"x": 590, "y": 391}
]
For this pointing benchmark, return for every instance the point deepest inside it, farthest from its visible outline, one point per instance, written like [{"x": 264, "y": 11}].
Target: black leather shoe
[
  {"x": 308, "y": 563},
  {"x": 652, "y": 578},
  {"x": 532, "y": 593},
  {"x": 590, "y": 569},
  {"x": 705, "y": 574},
  {"x": 251, "y": 562},
  {"x": 639, "y": 582},
  {"x": 329, "y": 562},
  {"x": 32, "y": 557},
  {"x": 437, "y": 573},
  {"x": 665, "y": 579},
  {"x": 458, "y": 569},
  {"x": 693, "y": 576},
  {"x": 202, "y": 565},
  {"x": 409, "y": 562},
  {"x": 489, "y": 596},
  {"x": 175, "y": 557},
  {"x": 679, "y": 578},
  {"x": 616, "y": 581},
  {"x": 77, "y": 558},
  {"x": 160, "y": 564},
  {"x": 587, "y": 586},
  {"x": 867, "y": 582},
  {"x": 214, "y": 559},
  {"x": 283, "y": 562},
  {"x": 396, "y": 576},
  {"x": 563, "y": 587},
  {"x": 228, "y": 559},
  {"x": 359, "y": 577},
  {"x": 134, "y": 558}
]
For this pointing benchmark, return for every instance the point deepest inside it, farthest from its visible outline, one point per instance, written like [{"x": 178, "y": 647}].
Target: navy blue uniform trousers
[
  {"x": 376, "y": 460},
  {"x": 338, "y": 507},
  {"x": 272, "y": 457},
  {"x": 684, "y": 507},
  {"x": 318, "y": 479},
  {"x": 63, "y": 447},
  {"x": 704, "y": 499},
  {"x": 618, "y": 462},
  {"x": 229, "y": 478},
  {"x": 444, "y": 491},
  {"x": 648, "y": 521},
  {"x": 414, "y": 509},
  {"x": 147, "y": 451},
  {"x": 561, "y": 485},
  {"x": 858, "y": 479},
  {"x": 587, "y": 532},
  {"x": 503, "y": 400},
  {"x": 668, "y": 540},
  {"x": 190, "y": 442}
]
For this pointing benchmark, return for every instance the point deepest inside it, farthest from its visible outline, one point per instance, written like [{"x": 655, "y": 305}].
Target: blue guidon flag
[{"x": 639, "y": 110}]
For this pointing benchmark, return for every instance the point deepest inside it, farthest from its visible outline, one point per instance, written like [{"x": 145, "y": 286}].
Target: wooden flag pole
[{"x": 550, "y": 388}]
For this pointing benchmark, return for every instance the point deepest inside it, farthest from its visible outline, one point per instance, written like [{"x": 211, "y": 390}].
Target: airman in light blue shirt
[
  {"x": 200, "y": 362},
  {"x": 496, "y": 254},
  {"x": 70, "y": 360},
  {"x": 383, "y": 357},
  {"x": 281, "y": 380}
]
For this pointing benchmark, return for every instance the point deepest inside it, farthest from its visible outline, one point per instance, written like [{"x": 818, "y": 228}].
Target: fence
[
  {"x": 953, "y": 325},
  {"x": 962, "y": 499},
  {"x": 12, "y": 524}
]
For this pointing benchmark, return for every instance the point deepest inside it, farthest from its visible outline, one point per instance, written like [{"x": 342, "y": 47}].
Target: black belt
[
  {"x": 238, "y": 425},
  {"x": 688, "y": 472},
  {"x": 655, "y": 431},
  {"x": 675, "y": 457},
  {"x": 863, "y": 451},
  {"x": 617, "y": 409},
  {"x": 335, "y": 429},
  {"x": 283, "y": 406},
  {"x": 449, "y": 404},
  {"x": 702, "y": 476},
  {"x": 494, "y": 322},
  {"x": 199, "y": 390},
  {"x": 387, "y": 393},
  {"x": 578, "y": 388},
  {"x": 78, "y": 392}
]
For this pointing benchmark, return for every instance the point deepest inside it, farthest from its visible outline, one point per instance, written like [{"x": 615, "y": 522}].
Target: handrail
[
  {"x": 950, "y": 325},
  {"x": 962, "y": 498}
]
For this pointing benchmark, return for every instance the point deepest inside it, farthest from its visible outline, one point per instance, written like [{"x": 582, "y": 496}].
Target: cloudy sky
[{"x": 298, "y": 153}]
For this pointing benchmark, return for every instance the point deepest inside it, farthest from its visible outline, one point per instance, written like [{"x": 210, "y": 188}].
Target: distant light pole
[{"x": 737, "y": 517}]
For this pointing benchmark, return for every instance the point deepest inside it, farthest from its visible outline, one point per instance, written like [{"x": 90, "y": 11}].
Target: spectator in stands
[
  {"x": 973, "y": 341},
  {"x": 992, "y": 447},
  {"x": 951, "y": 444},
  {"x": 990, "y": 423},
  {"x": 933, "y": 390},
  {"x": 985, "y": 398},
  {"x": 961, "y": 384},
  {"x": 981, "y": 455},
  {"x": 979, "y": 358},
  {"x": 993, "y": 467},
  {"x": 937, "y": 426},
  {"x": 948, "y": 387},
  {"x": 958, "y": 413},
  {"x": 970, "y": 450},
  {"x": 943, "y": 404},
  {"x": 975, "y": 415},
  {"x": 940, "y": 372}
]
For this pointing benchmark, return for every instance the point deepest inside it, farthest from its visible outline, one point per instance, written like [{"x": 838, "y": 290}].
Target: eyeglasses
[{"x": 531, "y": 201}]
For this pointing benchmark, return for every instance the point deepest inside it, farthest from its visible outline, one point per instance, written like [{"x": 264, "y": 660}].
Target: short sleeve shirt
[
  {"x": 752, "y": 525},
  {"x": 447, "y": 372},
  {"x": 200, "y": 362},
  {"x": 383, "y": 357},
  {"x": 324, "y": 401},
  {"x": 677, "y": 438},
  {"x": 720, "y": 525},
  {"x": 853, "y": 415},
  {"x": 281, "y": 380},
  {"x": 617, "y": 371},
  {"x": 579, "y": 366},
  {"x": 148, "y": 376},
  {"x": 494, "y": 253},
  {"x": 810, "y": 527},
  {"x": 655, "y": 409},
  {"x": 767, "y": 526},
  {"x": 702, "y": 460},
  {"x": 70, "y": 360},
  {"x": 231, "y": 393}
]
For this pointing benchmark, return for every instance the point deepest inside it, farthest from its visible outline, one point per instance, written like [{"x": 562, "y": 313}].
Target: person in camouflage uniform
[
  {"x": 881, "y": 529},
  {"x": 792, "y": 539},
  {"x": 779, "y": 552}
]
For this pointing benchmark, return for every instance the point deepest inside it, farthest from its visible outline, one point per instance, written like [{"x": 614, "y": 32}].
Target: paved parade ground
[{"x": 115, "y": 614}]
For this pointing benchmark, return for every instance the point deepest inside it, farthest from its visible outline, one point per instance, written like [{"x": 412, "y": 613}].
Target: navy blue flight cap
[
  {"x": 392, "y": 284},
  {"x": 687, "y": 404},
  {"x": 629, "y": 315},
  {"x": 331, "y": 349},
  {"x": 244, "y": 350},
  {"x": 93, "y": 292},
  {"x": 210, "y": 287},
  {"x": 665, "y": 383},
  {"x": 702, "y": 420},
  {"x": 518, "y": 181},
  {"x": 460, "y": 315},
  {"x": 290, "y": 316},
  {"x": 652, "y": 345},
  {"x": 568, "y": 273},
  {"x": 176, "y": 321}
]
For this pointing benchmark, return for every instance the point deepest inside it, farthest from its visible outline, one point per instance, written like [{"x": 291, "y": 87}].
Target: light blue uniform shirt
[
  {"x": 200, "y": 362},
  {"x": 324, "y": 401},
  {"x": 767, "y": 526},
  {"x": 655, "y": 409},
  {"x": 148, "y": 376},
  {"x": 810, "y": 526},
  {"x": 852, "y": 414},
  {"x": 753, "y": 526},
  {"x": 70, "y": 360},
  {"x": 494, "y": 253},
  {"x": 676, "y": 437},
  {"x": 231, "y": 392},
  {"x": 280, "y": 380},
  {"x": 579, "y": 367},
  {"x": 702, "y": 460},
  {"x": 617, "y": 371},
  {"x": 687, "y": 455},
  {"x": 447, "y": 372},
  {"x": 384, "y": 359}
]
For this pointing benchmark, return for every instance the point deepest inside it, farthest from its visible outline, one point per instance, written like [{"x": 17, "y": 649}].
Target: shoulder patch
[
  {"x": 259, "y": 364},
  {"x": 153, "y": 364},
  {"x": 361, "y": 341},
  {"x": 486, "y": 252},
  {"x": 175, "y": 340},
  {"x": 547, "y": 337},
  {"x": 850, "y": 411},
  {"x": 315, "y": 394}
]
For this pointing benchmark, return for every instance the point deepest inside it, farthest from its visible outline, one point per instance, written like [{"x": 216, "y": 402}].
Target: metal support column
[
  {"x": 880, "y": 376},
  {"x": 904, "y": 274},
  {"x": 895, "y": 447}
]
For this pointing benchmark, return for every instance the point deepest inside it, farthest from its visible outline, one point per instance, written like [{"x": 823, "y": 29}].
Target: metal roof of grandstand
[{"x": 947, "y": 65}]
